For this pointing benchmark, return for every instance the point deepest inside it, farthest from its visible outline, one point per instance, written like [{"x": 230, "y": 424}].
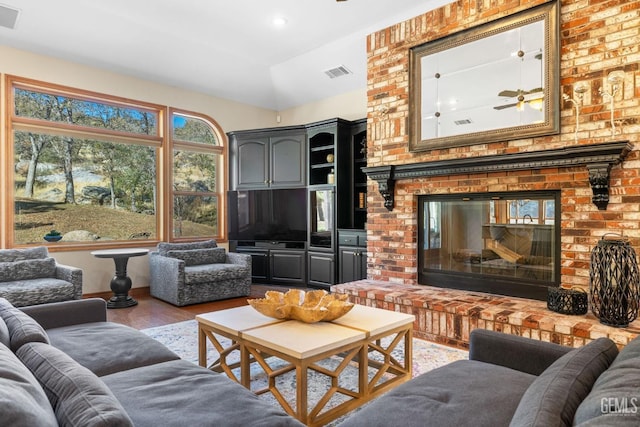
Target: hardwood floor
[{"x": 151, "y": 312}]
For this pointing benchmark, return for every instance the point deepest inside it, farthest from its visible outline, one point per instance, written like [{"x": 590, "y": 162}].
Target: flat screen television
[{"x": 268, "y": 215}]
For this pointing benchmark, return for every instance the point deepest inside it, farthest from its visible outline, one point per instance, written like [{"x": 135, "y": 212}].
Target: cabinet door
[
  {"x": 322, "y": 269},
  {"x": 362, "y": 273},
  {"x": 349, "y": 264},
  {"x": 253, "y": 163},
  {"x": 259, "y": 263},
  {"x": 288, "y": 266},
  {"x": 288, "y": 161},
  {"x": 322, "y": 228}
]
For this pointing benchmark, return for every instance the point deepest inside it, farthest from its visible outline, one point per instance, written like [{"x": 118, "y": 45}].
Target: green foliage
[
  {"x": 192, "y": 129},
  {"x": 51, "y": 168},
  {"x": 66, "y": 109}
]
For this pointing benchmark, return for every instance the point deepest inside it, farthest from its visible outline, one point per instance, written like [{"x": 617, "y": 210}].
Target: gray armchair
[
  {"x": 191, "y": 273},
  {"x": 30, "y": 277}
]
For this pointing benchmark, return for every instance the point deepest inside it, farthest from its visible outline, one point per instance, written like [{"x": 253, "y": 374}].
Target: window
[
  {"x": 528, "y": 211},
  {"x": 89, "y": 166},
  {"x": 197, "y": 190}
]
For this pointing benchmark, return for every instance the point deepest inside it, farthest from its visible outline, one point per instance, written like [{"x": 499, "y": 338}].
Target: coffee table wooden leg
[
  {"x": 301, "y": 392},
  {"x": 245, "y": 366},
  {"x": 202, "y": 347},
  {"x": 408, "y": 352},
  {"x": 363, "y": 372},
  {"x": 219, "y": 365}
]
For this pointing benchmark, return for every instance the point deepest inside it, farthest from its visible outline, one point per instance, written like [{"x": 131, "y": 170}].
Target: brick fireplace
[
  {"x": 555, "y": 162},
  {"x": 596, "y": 38}
]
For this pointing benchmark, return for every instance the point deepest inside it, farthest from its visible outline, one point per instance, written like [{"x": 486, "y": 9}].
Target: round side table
[{"x": 121, "y": 283}]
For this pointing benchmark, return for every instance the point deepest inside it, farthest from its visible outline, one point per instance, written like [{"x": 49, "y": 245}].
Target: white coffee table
[{"x": 355, "y": 339}]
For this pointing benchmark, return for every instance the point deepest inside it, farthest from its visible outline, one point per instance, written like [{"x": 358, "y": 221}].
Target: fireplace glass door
[{"x": 490, "y": 239}]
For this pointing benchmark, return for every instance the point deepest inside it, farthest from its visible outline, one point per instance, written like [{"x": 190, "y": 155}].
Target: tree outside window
[
  {"x": 88, "y": 165},
  {"x": 197, "y": 157}
]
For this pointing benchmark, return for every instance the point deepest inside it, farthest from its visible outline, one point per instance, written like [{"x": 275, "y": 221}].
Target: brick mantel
[
  {"x": 598, "y": 158},
  {"x": 596, "y": 38}
]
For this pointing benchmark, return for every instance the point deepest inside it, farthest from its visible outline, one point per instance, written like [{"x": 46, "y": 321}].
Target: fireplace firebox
[{"x": 501, "y": 243}]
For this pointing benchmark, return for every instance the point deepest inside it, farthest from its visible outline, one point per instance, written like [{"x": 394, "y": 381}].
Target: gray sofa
[
  {"x": 191, "y": 273},
  {"x": 515, "y": 381},
  {"x": 30, "y": 276},
  {"x": 64, "y": 364}
]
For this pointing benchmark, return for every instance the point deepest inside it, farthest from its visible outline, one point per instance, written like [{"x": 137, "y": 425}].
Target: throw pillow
[
  {"x": 164, "y": 247},
  {"x": 78, "y": 396},
  {"x": 199, "y": 256},
  {"x": 24, "y": 403},
  {"x": 553, "y": 398},
  {"x": 10, "y": 255},
  {"x": 22, "y": 328},
  {"x": 615, "y": 396},
  {"x": 27, "y": 269}
]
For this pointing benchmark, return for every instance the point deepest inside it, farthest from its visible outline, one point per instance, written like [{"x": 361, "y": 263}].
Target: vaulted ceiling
[{"x": 228, "y": 49}]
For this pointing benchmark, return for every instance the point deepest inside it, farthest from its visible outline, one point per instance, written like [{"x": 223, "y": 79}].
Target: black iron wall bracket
[{"x": 598, "y": 158}]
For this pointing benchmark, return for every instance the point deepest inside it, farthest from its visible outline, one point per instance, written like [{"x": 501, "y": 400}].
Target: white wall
[
  {"x": 348, "y": 106},
  {"x": 97, "y": 272},
  {"x": 230, "y": 116}
]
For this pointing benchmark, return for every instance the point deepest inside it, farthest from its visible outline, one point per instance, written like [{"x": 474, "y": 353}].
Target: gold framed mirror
[{"x": 495, "y": 82}]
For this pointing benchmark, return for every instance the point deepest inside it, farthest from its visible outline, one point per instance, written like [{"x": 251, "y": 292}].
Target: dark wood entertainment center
[{"x": 326, "y": 158}]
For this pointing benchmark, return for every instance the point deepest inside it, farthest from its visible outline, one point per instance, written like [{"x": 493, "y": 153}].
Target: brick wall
[{"x": 597, "y": 37}]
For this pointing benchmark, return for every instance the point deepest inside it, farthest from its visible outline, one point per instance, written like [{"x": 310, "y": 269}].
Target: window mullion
[{"x": 65, "y": 129}]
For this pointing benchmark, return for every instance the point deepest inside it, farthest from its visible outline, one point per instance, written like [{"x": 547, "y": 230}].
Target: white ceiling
[{"x": 225, "y": 48}]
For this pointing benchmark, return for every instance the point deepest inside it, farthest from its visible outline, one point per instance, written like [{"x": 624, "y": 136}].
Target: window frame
[
  {"x": 221, "y": 179},
  {"x": 162, "y": 140}
]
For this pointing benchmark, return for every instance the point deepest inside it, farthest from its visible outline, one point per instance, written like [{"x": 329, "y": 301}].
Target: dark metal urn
[{"x": 614, "y": 285}]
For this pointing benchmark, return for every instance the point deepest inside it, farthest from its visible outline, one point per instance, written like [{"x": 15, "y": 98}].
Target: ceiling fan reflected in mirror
[{"x": 532, "y": 97}]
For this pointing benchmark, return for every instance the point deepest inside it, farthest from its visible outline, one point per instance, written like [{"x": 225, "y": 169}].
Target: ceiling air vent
[
  {"x": 338, "y": 71},
  {"x": 462, "y": 122},
  {"x": 8, "y": 17}
]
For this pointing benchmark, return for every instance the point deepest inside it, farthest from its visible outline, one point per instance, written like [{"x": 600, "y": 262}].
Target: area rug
[{"x": 182, "y": 338}]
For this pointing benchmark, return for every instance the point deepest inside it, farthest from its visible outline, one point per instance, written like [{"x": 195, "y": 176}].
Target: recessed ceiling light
[{"x": 279, "y": 21}]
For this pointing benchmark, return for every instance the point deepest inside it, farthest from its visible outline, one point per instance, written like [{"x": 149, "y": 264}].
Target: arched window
[
  {"x": 100, "y": 170},
  {"x": 197, "y": 183}
]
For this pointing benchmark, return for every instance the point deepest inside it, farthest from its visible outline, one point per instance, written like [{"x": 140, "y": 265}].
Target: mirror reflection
[
  {"x": 495, "y": 82},
  {"x": 511, "y": 91}
]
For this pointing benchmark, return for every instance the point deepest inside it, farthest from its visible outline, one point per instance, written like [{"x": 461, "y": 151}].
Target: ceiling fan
[{"x": 520, "y": 94}]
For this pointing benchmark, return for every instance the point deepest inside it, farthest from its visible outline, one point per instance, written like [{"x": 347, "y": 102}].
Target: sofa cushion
[
  {"x": 77, "y": 395},
  {"x": 23, "y": 402},
  {"x": 204, "y": 398},
  {"x": 22, "y": 328},
  {"x": 10, "y": 255},
  {"x": 198, "y": 274},
  {"x": 614, "y": 399},
  {"x": 449, "y": 396},
  {"x": 164, "y": 247},
  {"x": 199, "y": 256},
  {"x": 554, "y": 397},
  {"x": 5, "y": 338},
  {"x": 22, "y": 293},
  {"x": 105, "y": 347},
  {"x": 27, "y": 269}
]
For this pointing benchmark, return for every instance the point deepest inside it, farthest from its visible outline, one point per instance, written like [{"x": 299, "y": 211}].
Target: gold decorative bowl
[{"x": 308, "y": 307}]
